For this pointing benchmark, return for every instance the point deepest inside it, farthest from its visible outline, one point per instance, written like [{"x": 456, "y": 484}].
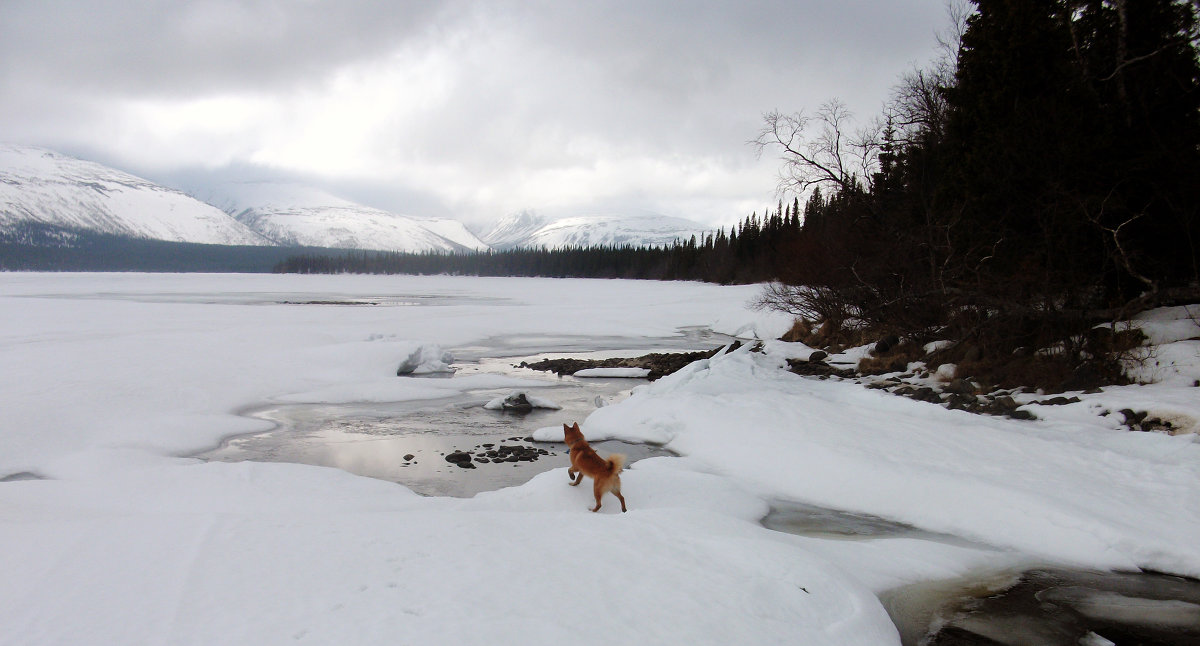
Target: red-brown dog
[{"x": 605, "y": 474}]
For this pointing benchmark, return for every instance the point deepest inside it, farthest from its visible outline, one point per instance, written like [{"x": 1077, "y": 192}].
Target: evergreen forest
[{"x": 1040, "y": 177}]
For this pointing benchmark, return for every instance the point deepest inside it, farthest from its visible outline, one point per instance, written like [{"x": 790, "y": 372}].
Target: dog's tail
[{"x": 616, "y": 462}]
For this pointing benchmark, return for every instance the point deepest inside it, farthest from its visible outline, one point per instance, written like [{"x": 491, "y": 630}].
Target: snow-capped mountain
[
  {"x": 514, "y": 230},
  {"x": 44, "y": 187},
  {"x": 637, "y": 230},
  {"x": 294, "y": 214}
]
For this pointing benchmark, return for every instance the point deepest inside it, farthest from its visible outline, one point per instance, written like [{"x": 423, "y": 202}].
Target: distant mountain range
[
  {"x": 297, "y": 215},
  {"x": 44, "y": 187},
  {"x": 46, "y": 191}
]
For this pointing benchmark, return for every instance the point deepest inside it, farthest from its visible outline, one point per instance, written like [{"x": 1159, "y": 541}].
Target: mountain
[
  {"x": 514, "y": 230},
  {"x": 298, "y": 215},
  {"x": 638, "y": 230},
  {"x": 42, "y": 188}
]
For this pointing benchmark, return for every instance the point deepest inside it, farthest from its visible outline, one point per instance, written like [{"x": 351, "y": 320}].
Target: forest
[{"x": 1040, "y": 177}]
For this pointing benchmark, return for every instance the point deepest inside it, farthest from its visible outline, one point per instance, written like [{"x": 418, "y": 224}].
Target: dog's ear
[
  {"x": 575, "y": 426},
  {"x": 566, "y": 428}
]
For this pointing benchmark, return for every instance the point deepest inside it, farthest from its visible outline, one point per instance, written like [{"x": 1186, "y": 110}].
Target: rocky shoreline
[
  {"x": 660, "y": 364},
  {"x": 954, "y": 394}
]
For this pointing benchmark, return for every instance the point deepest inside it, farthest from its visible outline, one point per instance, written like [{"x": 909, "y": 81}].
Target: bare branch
[{"x": 820, "y": 150}]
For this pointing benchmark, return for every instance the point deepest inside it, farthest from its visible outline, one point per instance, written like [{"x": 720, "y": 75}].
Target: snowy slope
[
  {"x": 514, "y": 230},
  {"x": 528, "y": 229},
  {"x": 38, "y": 185},
  {"x": 595, "y": 230},
  {"x": 294, "y": 214}
]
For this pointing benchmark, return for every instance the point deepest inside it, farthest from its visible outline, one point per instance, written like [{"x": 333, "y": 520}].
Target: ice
[{"x": 108, "y": 379}]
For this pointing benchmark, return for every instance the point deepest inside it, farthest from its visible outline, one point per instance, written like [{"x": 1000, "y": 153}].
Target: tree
[{"x": 821, "y": 150}]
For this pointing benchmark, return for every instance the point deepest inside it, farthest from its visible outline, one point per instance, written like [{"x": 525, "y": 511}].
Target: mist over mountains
[{"x": 42, "y": 190}]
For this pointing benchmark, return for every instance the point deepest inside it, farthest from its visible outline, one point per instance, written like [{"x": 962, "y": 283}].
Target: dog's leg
[
  {"x": 617, "y": 492},
  {"x": 578, "y": 477},
  {"x": 598, "y": 490}
]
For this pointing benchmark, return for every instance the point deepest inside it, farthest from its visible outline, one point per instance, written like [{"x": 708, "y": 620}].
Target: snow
[
  {"x": 108, "y": 379},
  {"x": 635, "y": 229},
  {"x": 295, "y": 214},
  {"x": 426, "y": 359},
  {"x": 42, "y": 186}
]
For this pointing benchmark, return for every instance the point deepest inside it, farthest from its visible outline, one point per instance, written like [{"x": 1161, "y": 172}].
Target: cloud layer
[{"x": 463, "y": 108}]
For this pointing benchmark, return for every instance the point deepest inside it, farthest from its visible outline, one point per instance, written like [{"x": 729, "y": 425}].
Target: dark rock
[
  {"x": 885, "y": 345},
  {"x": 1132, "y": 418},
  {"x": 927, "y": 394},
  {"x": 818, "y": 356},
  {"x": 659, "y": 364},
  {"x": 1058, "y": 401},
  {"x": 408, "y": 457},
  {"x": 517, "y": 403},
  {"x": 818, "y": 369},
  {"x": 1005, "y": 402},
  {"x": 466, "y": 464},
  {"x": 481, "y": 459},
  {"x": 458, "y": 457},
  {"x": 958, "y": 401},
  {"x": 960, "y": 387},
  {"x": 1021, "y": 414}
]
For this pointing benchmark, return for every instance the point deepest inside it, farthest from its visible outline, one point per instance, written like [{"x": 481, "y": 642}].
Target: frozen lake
[{"x": 796, "y": 510}]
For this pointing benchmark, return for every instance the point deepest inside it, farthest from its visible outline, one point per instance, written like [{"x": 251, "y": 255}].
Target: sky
[{"x": 470, "y": 109}]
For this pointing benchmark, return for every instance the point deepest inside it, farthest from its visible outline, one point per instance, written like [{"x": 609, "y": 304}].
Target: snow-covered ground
[{"x": 106, "y": 379}]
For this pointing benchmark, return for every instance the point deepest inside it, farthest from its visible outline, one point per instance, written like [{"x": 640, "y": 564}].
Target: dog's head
[{"x": 572, "y": 435}]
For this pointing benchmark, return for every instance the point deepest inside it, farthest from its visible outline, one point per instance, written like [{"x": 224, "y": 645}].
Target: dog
[{"x": 605, "y": 474}]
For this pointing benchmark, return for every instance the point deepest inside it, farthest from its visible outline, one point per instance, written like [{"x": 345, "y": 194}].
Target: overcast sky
[{"x": 466, "y": 108}]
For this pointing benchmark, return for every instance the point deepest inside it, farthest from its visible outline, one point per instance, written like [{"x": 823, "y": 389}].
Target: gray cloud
[{"x": 465, "y": 107}]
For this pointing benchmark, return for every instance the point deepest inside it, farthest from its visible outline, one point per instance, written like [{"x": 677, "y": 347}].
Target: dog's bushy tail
[{"x": 616, "y": 462}]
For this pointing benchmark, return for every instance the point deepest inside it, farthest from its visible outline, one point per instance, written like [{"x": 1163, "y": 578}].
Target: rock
[
  {"x": 960, "y": 387},
  {"x": 458, "y": 457},
  {"x": 818, "y": 356},
  {"x": 1005, "y": 402},
  {"x": 408, "y": 457},
  {"x": 885, "y": 345},
  {"x": 1131, "y": 417},
  {"x": 927, "y": 394},
  {"x": 1021, "y": 414},
  {"x": 517, "y": 403},
  {"x": 957, "y": 401},
  {"x": 466, "y": 464},
  {"x": 1058, "y": 401}
]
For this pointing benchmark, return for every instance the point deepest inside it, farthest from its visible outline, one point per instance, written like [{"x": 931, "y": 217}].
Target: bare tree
[{"x": 821, "y": 149}]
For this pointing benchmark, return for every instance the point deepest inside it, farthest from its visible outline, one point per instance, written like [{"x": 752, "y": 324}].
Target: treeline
[
  {"x": 752, "y": 251},
  {"x": 1042, "y": 177},
  {"x": 35, "y": 246}
]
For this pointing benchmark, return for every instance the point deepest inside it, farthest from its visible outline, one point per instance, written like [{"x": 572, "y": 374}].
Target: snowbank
[
  {"x": 426, "y": 359},
  {"x": 1077, "y": 494}
]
